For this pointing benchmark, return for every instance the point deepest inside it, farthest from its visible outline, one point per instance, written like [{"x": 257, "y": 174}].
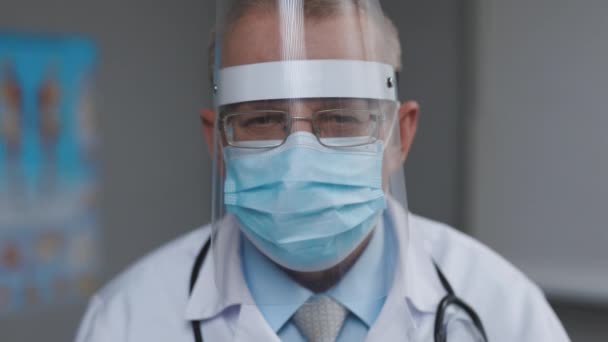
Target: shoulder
[
  {"x": 161, "y": 267},
  {"x": 511, "y": 306},
  {"x": 157, "y": 282},
  {"x": 457, "y": 252}
]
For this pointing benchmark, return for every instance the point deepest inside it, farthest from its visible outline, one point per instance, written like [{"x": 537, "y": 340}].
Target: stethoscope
[{"x": 450, "y": 300}]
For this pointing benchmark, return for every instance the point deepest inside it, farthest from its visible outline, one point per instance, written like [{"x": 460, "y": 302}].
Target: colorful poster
[{"x": 49, "y": 228}]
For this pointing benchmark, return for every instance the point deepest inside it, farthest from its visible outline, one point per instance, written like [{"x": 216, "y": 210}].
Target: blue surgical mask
[{"x": 304, "y": 205}]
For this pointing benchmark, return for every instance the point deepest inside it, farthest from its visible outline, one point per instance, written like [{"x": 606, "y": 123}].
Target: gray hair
[{"x": 319, "y": 9}]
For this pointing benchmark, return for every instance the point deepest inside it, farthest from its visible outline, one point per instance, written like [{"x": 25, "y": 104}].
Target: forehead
[
  {"x": 303, "y": 104},
  {"x": 264, "y": 36}
]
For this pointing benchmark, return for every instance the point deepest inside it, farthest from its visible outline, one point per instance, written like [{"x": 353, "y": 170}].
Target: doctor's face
[{"x": 256, "y": 38}]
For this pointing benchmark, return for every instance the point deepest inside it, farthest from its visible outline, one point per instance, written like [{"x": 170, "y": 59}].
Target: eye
[
  {"x": 341, "y": 118},
  {"x": 258, "y": 120}
]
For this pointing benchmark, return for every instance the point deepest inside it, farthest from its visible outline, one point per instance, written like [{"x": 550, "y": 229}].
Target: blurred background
[{"x": 512, "y": 145}]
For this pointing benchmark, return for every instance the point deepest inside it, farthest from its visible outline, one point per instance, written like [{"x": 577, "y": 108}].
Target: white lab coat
[{"x": 149, "y": 302}]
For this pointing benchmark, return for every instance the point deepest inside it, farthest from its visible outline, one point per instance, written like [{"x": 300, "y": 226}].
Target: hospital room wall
[{"x": 536, "y": 158}]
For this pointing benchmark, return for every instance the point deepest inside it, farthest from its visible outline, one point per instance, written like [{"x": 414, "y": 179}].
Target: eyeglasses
[{"x": 270, "y": 128}]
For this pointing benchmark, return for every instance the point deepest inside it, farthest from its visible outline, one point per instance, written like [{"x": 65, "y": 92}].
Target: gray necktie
[{"x": 320, "y": 319}]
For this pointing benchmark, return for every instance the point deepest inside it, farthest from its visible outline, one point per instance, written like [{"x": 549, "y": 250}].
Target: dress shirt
[{"x": 362, "y": 290}]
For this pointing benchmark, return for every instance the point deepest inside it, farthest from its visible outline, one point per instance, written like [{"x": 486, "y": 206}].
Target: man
[{"x": 311, "y": 238}]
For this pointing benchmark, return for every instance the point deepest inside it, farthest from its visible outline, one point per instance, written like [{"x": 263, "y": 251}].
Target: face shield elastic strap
[{"x": 302, "y": 79}]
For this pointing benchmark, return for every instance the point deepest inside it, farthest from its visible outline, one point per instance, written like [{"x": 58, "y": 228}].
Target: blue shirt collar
[{"x": 362, "y": 291}]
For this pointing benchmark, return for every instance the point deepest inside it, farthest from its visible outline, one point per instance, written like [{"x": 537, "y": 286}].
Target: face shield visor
[{"x": 307, "y": 147}]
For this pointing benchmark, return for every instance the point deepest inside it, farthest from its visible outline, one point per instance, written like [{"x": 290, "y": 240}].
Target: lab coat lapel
[
  {"x": 393, "y": 324},
  {"x": 212, "y": 294},
  {"x": 395, "y": 321},
  {"x": 253, "y": 327},
  {"x": 224, "y": 313},
  {"x": 415, "y": 285}
]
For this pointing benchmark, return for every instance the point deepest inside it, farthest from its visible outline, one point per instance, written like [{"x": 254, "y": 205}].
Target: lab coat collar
[
  {"x": 415, "y": 283},
  {"x": 212, "y": 294},
  {"x": 215, "y": 298}
]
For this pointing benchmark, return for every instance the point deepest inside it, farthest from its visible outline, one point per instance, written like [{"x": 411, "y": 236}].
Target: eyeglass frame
[{"x": 380, "y": 118}]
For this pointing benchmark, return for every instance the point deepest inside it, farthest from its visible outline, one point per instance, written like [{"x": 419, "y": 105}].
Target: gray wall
[
  {"x": 538, "y": 190},
  {"x": 434, "y": 48},
  {"x": 152, "y": 82},
  {"x": 539, "y": 157}
]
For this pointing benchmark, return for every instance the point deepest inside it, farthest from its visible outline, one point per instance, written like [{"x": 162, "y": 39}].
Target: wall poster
[{"x": 49, "y": 172}]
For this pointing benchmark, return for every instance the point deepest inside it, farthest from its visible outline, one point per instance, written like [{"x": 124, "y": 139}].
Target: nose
[
  {"x": 301, "y": 118},
  {"x": 301, "y": 124}
]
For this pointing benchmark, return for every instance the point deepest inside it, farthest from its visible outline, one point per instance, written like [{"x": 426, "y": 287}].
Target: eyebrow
[{"x": 314, "y": 104}]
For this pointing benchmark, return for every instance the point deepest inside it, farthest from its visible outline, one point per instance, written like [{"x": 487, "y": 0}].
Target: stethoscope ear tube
[
  {"x": 444, "y": 304},
  {"x": 196, "y": 268}
]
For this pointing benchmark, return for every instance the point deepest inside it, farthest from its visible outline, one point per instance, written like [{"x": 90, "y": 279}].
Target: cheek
[{"x": 391, "y": 160}]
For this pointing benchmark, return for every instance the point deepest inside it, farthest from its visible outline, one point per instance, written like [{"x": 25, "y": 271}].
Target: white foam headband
[{"x": 306, "y": 79}]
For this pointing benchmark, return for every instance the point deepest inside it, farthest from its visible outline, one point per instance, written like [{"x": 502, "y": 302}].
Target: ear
[
  {"x": 408, "y": 124},
  {"x": 207, "y": 123}
]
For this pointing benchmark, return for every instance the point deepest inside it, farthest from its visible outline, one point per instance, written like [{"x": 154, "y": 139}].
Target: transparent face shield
[{"x": 307, "y": 151}]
